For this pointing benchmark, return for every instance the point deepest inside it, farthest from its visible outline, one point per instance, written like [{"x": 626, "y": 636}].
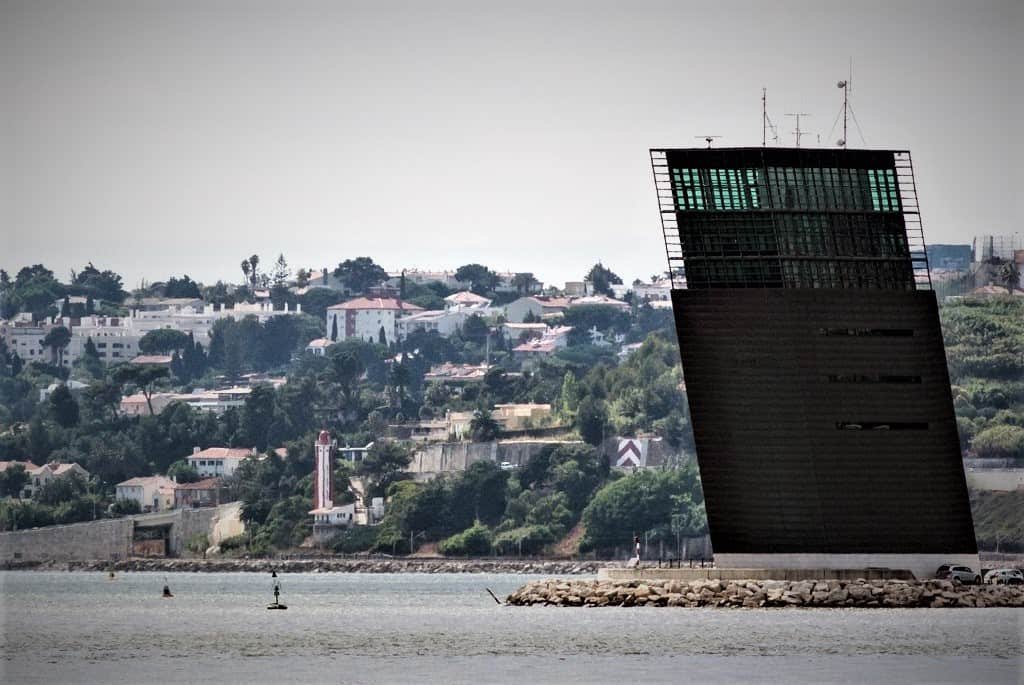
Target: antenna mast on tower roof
[
  {"x": 766, "y": 122},
  {"x": 798, "y": 133}
]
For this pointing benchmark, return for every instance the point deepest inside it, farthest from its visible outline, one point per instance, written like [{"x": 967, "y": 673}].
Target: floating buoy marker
[
  {"x": 277, "y": 593},
  {"x": 167, "y": 590}
]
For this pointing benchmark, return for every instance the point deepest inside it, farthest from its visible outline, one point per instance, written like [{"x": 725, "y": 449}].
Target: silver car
[
  {"x": 958, "y": 574},
  {"x": 1005, "y": 576}
]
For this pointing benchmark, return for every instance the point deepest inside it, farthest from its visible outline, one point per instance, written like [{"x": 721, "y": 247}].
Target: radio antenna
[
  {"x": 798, "y": 133},
  {"x": 847, "y": 111},
  {"x": 766, "y": 122}
]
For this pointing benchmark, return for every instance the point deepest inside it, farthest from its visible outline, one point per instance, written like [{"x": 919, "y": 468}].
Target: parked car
[
  {"x": 957, "y": 574},
  {"x": 1005, "y": 576}
]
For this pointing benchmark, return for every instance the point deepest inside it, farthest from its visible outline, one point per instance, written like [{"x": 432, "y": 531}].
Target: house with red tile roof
[
  {"x": 153, "y": 493},
  {"x": 367, "y": 318},
  {"x": 218, "y": 461},
  {"x": 38, "y": 476}
]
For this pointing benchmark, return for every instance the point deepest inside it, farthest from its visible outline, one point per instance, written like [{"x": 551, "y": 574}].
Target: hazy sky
[{"x": 178, "y": 137}]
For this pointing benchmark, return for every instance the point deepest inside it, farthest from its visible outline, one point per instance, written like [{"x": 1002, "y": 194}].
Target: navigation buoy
[
  {"x": 167, "y": 590},
  {"x": 277, "y": 593}
]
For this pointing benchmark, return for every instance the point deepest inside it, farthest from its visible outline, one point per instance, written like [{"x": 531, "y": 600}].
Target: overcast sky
[{"x": 178, "y": 137}]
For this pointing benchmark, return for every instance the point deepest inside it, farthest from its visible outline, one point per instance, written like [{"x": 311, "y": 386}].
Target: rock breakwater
[
  {"x": 765, "y": 593},
  {"x": 322, "y": 565}
]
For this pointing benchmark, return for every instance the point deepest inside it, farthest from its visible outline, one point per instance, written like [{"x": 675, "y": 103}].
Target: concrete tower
[{"x": 815, "y": 369}]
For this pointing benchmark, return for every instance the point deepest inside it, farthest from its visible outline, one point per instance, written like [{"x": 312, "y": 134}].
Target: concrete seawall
[{"x": 108, "y": 539}]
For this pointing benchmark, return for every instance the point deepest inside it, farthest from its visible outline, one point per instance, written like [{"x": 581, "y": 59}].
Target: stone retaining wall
[{"x": 766, "y": 593}]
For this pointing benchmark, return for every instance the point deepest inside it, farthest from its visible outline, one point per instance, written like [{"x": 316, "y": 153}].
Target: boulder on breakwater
[
  {"x": 765, "y": 593},
  {"x": 322, "y": 565}
]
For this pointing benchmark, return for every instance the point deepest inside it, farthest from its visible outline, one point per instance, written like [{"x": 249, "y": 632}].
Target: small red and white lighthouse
[{"x": 323, "y": 473}]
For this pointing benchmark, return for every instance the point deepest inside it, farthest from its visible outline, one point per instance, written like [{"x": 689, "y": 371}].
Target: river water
[{"x": 419, "y": 628}]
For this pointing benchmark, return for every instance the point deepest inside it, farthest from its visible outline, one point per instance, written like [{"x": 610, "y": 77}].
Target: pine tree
[{"x": 281, "y": 272}]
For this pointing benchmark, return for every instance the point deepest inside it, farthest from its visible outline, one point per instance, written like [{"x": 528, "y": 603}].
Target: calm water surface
[{"x": 412, "y": 628}]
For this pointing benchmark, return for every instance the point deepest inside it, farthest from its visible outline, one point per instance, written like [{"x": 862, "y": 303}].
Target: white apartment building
[
  {"x": 117, "y": 337},
  {"x": 364, "y": 317},
  {"x": 25, "y": 338}
]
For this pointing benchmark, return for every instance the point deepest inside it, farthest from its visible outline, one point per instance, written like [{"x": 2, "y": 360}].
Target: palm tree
[
  {"x": 254, "y": 262},
  {"x": 483, "y": 427}
]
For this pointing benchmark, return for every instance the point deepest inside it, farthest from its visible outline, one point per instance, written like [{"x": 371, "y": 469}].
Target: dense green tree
[
  {"x": 101, "y": 285},
  {"x": 12, "y": 480},
  {"x": 57, "y": 340},
  {"x": 483, "y": 427},
  {"x": 100, "y": 401},
  {"x": 642, "y": 502},
  {"x": 315, "y": 301},
  {"x": 481, "y": 279},
  {"x": 591, "y": 421},
  {"x": 259, "y": 417},
  {"x": 62, "y": 489},
  {"x": 34, "y": 290},
  {"x": 525, "y": 283},
  {"x": 360, "y": 274},
  {"x": 383, "y": 465},
  {"x": 182, "y": 472},
  {"x": 475, "y": 540},
  {"x": 184, "y": 287},
  {"x": 64, "y": 407},
  {"x": 999, "y": 442},
  {"x": 22, "y": 515},
  {"x": 143, "y": 376},
  {"x": 569, "y": 398},
  {"x": 281, "y": 273},
  {"x": 602, "y": 278},
  {"x": 475, "y": 330},
  {"x": 163, "y": 341},
  {"x": 90, "y": 361},
  {"x": 478, "y": 493}
]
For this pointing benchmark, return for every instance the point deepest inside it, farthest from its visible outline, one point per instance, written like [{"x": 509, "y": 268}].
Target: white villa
[{"x": 364, "y": 318}]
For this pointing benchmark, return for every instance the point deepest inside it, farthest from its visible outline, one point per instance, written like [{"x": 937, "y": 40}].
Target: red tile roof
[
  {"x": 222, "y": 453},
  {"x": 377, "y": 303}
]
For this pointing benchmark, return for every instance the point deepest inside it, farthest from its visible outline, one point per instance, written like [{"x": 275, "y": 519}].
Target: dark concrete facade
[{"x": 778, "y": 381}]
